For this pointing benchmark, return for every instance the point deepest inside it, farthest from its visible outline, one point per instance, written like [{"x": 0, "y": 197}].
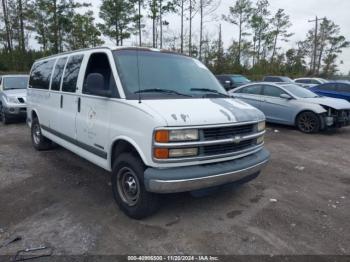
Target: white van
[{"x": 160, "y": 122}]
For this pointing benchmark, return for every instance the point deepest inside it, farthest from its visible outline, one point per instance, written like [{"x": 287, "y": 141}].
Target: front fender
[
  {"x": 317, "y": 109},
  {"x": 130, "y": 141}
]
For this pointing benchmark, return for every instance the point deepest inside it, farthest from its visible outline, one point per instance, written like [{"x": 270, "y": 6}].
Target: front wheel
[
  {"x": 3, "y": 116},
  {"x": 129, "y": 190},
  {"x": 308, "y": 122}
]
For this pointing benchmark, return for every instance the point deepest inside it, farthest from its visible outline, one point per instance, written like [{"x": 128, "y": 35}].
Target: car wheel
[
  {"x": 3, "y": 116},
  {"x": 129, "y": 190},
  {"x": 39, "y": 141},
  {"x": 308, "y": 122}
]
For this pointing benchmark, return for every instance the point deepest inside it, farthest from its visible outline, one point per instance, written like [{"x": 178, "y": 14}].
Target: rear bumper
[{"x": 192, "y": 178}]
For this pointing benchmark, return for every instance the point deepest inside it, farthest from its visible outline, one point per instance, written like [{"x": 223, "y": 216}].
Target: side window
[
  {"x": 57, "y": 74},
  {"x": 0, "y": 80},
  {"x": 344, "y": 88},
  {"x": 71, "y": 73},
  {"x": 272, "y": 79},
  {"x": 252, "y": 90},
  {"x": 305, "y": 81},
  {"x": 221, "y": 79},
  {"x": 41, "y": 74},
  {"x": 327, "y": 87},
  {"x": 315, "y": 82},
  {"x": 99, "y": 63},
  {"x": 273, "y": 91}
]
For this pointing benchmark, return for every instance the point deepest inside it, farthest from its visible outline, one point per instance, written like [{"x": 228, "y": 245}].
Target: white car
[
  {"x": 308, "y": 82},
  {"x": 160, "y": 122},
  {"x": 13, "y": 91}
]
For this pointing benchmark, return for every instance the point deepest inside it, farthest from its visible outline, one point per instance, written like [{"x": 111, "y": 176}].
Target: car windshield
[
  {"x": 15, "y": 82},
  {"x": 299, "y": 91},
  {"x": 240, "y": 79},
  {"x": 153, "y": 75}
]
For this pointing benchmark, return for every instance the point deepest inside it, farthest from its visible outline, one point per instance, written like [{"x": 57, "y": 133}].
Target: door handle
[
  {"x": 61, "y": 102},
  {"x": 79, "y": 103}
]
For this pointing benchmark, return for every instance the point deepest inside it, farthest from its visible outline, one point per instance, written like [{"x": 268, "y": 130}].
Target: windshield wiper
[
  {"x": 160, "y": 90},
  {"x": 213, "y": 91}
]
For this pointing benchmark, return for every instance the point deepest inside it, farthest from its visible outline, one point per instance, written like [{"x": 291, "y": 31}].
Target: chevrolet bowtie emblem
[{"x": 237, "y": 139}]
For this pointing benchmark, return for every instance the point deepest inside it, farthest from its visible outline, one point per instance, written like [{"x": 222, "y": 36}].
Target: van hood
[
  {"x": 180, "y": 112},
  {"x": 16, "y": 92},
  {"x": 335, "y": 103}
]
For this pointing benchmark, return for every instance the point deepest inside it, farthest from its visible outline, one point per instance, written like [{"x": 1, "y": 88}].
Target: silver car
[
  {"x": 13, "y": 92},
  {"x": 290, "y": 104}
]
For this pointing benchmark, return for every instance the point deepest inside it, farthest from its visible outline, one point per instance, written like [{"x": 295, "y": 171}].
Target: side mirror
[
  {"x": 95, "y": 84},
  {"x": 286, "y": 96}
]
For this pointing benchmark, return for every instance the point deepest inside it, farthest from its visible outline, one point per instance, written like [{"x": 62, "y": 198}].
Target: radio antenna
[{"x": 138, "y": 74}]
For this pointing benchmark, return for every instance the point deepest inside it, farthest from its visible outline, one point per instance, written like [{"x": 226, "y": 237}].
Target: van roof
[{"x": 109, "y": 47}]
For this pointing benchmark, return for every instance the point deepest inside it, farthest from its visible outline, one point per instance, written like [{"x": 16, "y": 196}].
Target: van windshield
[
  {"x": 154, "y": 75},
  {"x": 15, "y": 82}
]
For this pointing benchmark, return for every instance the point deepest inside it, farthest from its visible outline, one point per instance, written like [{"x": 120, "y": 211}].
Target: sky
[{"x": 300, "y": 11}]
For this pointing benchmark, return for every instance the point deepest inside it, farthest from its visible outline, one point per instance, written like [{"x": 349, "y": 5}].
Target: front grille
[
  {"x": 227, "y": 148},
  {"x": 21, "y": 100},
  {"x": 226, "y": 132}
]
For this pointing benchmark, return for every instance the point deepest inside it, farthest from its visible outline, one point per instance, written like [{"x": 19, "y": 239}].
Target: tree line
[{"x": 30, "y": 29}]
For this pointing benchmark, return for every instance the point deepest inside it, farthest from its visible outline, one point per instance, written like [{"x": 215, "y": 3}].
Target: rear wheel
[
  {"x": 308, "y": 122},
  {"x": 39, "y": 141},
  {"x": 129, "y": 190}
]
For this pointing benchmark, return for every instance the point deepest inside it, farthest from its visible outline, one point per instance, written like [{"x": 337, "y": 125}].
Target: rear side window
[
  {"x": 57, "y": 74},
  {"x": 253, "y": 90},
  {"x": 303, "y": 81},
  {"x": 41, "y": 74},
  {"x": 71, "y": 73},
  {"x": 272, "y": 91}
]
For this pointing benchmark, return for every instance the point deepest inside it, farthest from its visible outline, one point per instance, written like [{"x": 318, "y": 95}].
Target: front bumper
[
  {"x": 183, "y": 179},
  {"x": 16, "y": 111}
]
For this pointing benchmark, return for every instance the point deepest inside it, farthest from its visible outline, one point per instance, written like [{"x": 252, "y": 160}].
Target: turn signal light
[
  {"x": 161, "y": 153},
  {"x": 162, "y": 136}
]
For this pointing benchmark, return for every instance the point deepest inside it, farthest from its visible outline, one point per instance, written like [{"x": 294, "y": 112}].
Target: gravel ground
[{"x": 299, "y": 204}]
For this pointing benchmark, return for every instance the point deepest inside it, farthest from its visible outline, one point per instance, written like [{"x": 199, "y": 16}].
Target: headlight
[
  {"x": 261, "y": 126},
  {"x": 12, "y": 99},
  {"x": 165, "y": 136}
]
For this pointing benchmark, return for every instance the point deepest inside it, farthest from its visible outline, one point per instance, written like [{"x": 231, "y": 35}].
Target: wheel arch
[
  {"x": 124, "y": 144},
  {"x": 316, "y": 109},
  {"x": 319, "y": 114}
]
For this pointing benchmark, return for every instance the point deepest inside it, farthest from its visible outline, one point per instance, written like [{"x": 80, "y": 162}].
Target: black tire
[
  {"x": 129, "y": 190},
  {"x": 4, "y": 118},
  {"x": 40, "y": 142},
  {"x": 308, "y": 122}
]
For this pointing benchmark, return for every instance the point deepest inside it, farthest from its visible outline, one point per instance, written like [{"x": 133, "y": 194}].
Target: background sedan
[
  {"x": 290, "y": 104},
  {"x": 232, "y": 81},
  {"x": 333, "y": 89}
]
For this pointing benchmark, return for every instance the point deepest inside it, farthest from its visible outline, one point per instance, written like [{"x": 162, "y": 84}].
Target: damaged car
[{"x": 290, "y": 104}]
